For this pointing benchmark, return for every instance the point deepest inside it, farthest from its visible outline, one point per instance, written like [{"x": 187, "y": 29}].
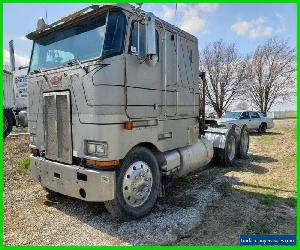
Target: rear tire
[
  {"x": 137, "y": 185},
  {"x": 7, "y": 123},
  {"x": 243, "y": 144},
  {"x": 227, "y": 155},
  {"x": 262, "y": 128}
]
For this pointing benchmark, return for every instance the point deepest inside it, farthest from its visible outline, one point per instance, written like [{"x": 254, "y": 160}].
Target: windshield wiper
[
  {"x": 36, "y": 71},
  {"x": 72, "y": 61}
]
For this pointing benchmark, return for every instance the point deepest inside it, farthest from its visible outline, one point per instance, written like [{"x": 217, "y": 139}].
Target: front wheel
[
  {"x": 7, "y": 123},
  {"x": 137, "y": 185},
  {"x": 262, "y": 128},
  {"x": 52, "y": 195}
]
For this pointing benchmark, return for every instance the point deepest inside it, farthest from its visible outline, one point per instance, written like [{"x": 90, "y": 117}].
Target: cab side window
[
  {"x": 245, "y": 115},
  {"x": 137, "y": 40},
  {"x": 114, "y": 36},
  {"x": 254, "y": 115}
]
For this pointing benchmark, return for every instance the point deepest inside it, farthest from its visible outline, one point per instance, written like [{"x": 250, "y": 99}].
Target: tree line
[{"x": 262, "y": 78}]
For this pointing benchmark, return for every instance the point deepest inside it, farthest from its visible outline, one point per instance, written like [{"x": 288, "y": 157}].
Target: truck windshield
[
  {"x": 234, "y": 115},
  {"x": 98, "y": 37}
]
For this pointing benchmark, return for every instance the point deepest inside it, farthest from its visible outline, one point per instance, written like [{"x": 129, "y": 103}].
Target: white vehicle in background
[
  {"x": 254, "y": 120},
  {"x": 14, "y": 96}
]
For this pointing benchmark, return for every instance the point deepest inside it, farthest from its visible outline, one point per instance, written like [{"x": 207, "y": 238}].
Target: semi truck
[
  {"x": 14, "y": 95},
  {"x": 117, "y": 109}
]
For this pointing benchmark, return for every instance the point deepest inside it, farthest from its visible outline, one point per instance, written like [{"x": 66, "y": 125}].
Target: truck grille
[{"x": 58, "y": 126}]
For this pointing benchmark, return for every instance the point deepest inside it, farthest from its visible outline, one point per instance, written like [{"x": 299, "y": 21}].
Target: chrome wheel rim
[
  {"x": 137, "y": 184},
  {"x": 231, "y": 148}
]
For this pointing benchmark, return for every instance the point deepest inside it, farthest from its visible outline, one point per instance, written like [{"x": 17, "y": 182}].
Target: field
[{"x": 211, "y": 207}]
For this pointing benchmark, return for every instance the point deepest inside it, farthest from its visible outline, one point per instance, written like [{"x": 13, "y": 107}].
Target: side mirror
[{"x": 150, "y": 37}]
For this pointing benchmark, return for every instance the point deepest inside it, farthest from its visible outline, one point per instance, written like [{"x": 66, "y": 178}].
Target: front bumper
[{"x": 74, "y": 181}]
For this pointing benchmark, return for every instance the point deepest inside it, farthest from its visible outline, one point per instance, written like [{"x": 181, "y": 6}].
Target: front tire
[
  {"x": 51, "y": 195},
  {"x": 262, "y": 128},
  {"x": 137, "y": 185},
  {"x": 7, "y": 123}
]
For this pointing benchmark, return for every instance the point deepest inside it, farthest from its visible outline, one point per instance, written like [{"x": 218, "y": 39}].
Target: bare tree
[
  {"x": 272, "y": 74},
  {"x": 242, "y": 105},
  {"x": 226, "y": 73}
]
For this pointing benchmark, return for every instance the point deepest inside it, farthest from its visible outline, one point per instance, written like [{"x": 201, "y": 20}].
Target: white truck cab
[{"x": 114, "y": 98}]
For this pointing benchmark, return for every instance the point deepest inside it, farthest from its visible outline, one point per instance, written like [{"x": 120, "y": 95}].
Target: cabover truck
[
  {"x": 14, "y": 95},
  {"x": 116, "y": 108}
]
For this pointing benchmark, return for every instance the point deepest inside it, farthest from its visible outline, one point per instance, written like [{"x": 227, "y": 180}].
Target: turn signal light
[
  {"x": 102, "y": 163},
  {"x": 128, "y": 125}
]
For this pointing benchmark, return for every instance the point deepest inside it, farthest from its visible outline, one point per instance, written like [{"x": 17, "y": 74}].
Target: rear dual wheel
[
  {"x": 137, "y": 185},
  {"x": 234, "y": 148},
  {"x": 227, "y": 155},
  {"x": 243, "y": 144}
]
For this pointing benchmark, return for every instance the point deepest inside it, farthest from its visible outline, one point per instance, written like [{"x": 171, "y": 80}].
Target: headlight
[
  {"x": 96, "y": 148},
  {"x": 91, "y": 148},
  {"x": 100, "y": 149}
]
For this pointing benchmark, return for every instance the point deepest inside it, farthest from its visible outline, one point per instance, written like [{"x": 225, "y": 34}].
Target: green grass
[
  {"x": 267, "y": 200},
  {"x": 268, "y": 197},
  {"x": 279, "y": 183},
  {"x": 288, "y": 160},
  {"x": 23, "y": 165},
  {"x": 266, "y": 140}
]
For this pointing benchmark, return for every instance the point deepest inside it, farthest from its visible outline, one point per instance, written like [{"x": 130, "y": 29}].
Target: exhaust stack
[{"x": 12, "y": 56}]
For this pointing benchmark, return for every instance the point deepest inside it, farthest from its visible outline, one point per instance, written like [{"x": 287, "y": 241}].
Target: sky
[{"x": 247, "y": 25}]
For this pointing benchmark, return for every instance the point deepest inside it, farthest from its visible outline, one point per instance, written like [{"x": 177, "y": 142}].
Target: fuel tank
[{"x": 187, "y": 159}]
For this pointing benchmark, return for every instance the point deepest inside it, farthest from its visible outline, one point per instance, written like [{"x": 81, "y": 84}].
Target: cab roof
[{"x": 93, "y": 10}]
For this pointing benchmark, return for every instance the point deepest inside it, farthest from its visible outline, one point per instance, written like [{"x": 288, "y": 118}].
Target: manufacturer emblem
[{"x": 55, "y": 80}]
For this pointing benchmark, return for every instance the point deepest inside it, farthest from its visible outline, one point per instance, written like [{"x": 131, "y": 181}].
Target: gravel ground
[{"x": 193, "y": 211}]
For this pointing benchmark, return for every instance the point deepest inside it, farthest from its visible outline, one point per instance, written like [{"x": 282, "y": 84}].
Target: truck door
[
  {"x": 172, "y": 91},
  {"x": 143, "y": 80}
]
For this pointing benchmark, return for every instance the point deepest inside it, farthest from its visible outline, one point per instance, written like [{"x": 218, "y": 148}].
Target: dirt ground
[{"x": 209, "y": 207}]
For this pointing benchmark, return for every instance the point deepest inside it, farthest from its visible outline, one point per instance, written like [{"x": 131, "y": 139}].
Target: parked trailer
[
  {"x": 116, "y": 108},
  {"x": 14, "y": 95},
  {"x": 8, "y": 102},
  {"x": 14, "y": 99}
]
